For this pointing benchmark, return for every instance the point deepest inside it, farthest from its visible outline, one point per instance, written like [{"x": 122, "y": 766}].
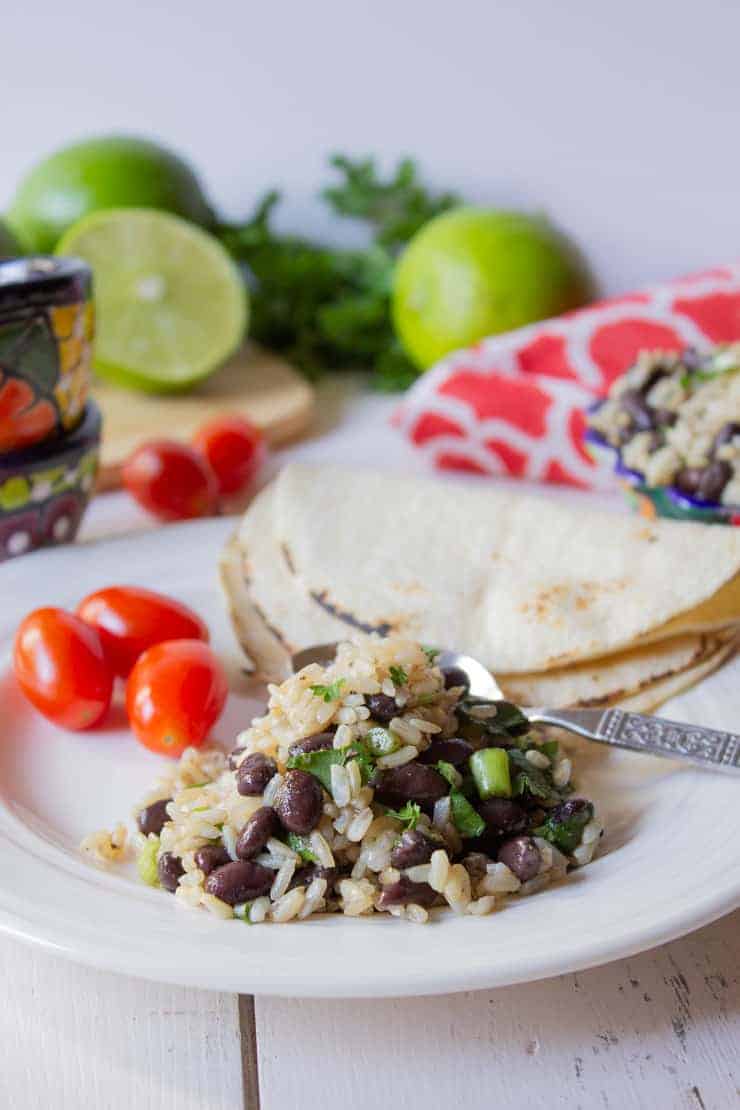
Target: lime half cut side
[{"x": 170, "y": 304}]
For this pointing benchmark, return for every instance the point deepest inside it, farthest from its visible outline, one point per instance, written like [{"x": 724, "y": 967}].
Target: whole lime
[
  {"x": 9, "y": 246},
  {"x": 114, "y": 171},
  {"x": 474, "y": 272}
]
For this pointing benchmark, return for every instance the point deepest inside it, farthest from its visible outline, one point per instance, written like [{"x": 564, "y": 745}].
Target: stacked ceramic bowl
[{"x": 49, "y": 428}]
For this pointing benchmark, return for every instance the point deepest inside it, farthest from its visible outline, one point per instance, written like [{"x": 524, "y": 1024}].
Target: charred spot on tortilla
[
  {"x": 412, "y": 587},
  {"x": 551, "y": 603},
  {"x": 321, "y": 598},
  {"x": 271, "y": 628},
  {"x": 287, "y": 555}
]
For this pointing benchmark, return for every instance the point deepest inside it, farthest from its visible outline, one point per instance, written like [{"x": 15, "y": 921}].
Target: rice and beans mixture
[
  {"x": 375, "y": 784},
  {"x": 675, "y": 419}
]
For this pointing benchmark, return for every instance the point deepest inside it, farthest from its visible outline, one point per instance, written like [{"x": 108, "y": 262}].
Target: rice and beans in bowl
[
  {"x": 376, "y": 784},
  {"x": 675, "y": 419}
]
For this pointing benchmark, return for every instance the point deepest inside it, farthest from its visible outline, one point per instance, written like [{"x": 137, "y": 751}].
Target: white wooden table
[{"x": 661, "y": 1030}]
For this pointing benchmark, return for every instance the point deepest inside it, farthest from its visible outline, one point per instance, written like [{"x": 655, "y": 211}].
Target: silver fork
[{"x": 704, "y": 747}]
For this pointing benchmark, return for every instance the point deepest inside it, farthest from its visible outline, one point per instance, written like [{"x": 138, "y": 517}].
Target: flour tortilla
[
  {"x": 525, "y": 585},
  {"x": 617, "y": 677},
  {"x": 652, "y": 695}
]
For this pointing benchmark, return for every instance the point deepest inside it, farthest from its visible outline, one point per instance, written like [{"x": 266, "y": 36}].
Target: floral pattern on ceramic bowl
[
  {"x": 46, "y": 333},
  {"x": 44, "y": 490}
]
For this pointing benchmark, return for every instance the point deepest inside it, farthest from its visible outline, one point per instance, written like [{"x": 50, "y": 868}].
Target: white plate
[{"x": 670, "y": 861}]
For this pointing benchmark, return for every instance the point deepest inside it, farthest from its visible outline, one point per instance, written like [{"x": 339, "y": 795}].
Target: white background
[{"x": 619, "y": 120}]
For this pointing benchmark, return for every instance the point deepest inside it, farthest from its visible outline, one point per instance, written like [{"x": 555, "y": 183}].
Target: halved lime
[{"x": 170, "y": 304}]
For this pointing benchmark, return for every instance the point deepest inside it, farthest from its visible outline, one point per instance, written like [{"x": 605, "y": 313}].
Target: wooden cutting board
[{"x": 255, "y": 383}]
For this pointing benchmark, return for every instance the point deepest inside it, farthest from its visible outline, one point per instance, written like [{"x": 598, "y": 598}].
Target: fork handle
[{"x": 705, "y": 747}]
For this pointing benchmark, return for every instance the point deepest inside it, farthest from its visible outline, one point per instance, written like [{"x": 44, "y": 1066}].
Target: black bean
[
  {"x": 634, "y": 404},
  {"x": 653, "y": 377},
  {"x": 239, "y": 882},
  {"x": 475, "y": 864},
  {"x": 316, "y": 743},
  {"x": 411, "y": 783},
  {"x": 254, "y": 773},
  {"x": 382, "y": 707},
  {"x": 404, "y": 891},
  {"x": 565, "y": 810},
  {"x": 455, "y": 676},
  {"x": 153, "y": 818},
  {"x": 665, "y": 418},
  {"x": 726, "y": 433},
  {"x": 257, "y": 831},
  {"x": 713, "y": 480},
  {"x": 169, "y": 870},
  {"x": 488, "y": 843},
  {"x": 306, "y": 874},
  {"x": 233, "y": 757},
  {"x": 211, "y": 856},
  {"x": 502, "y": 815},
  {"x": 521, "y": 856},
  {"x": 455, "y": 751},
  {"x": 299, "y": 802},
  {"x": 688, "y": 480},
  {"x": 412, "y": 849}
]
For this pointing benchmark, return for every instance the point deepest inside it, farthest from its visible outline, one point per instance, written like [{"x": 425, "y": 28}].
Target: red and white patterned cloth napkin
[{"x": 514, "y": 404}]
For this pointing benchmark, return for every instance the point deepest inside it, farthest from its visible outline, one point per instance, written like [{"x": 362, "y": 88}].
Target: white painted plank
[
  {"x": 659, "y": 1030},
  {"x": 77, "y": 1039}
]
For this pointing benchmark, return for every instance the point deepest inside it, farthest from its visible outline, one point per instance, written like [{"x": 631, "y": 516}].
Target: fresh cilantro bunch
[{"x": 327, "y": 307}]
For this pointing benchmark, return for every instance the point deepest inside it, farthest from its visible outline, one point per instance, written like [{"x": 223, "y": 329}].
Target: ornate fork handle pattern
[
  {"x": 652, "y": 734},
  {"x": 705, "y": 747}
]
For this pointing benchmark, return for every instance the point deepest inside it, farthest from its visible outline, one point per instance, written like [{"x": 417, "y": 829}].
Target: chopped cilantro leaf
[
  {"x": 528, "y": 779},
  {"x": 431, "y": 654},
  {"x": 408, "y": 814},
  {"x": 565, "y": 833},
  {"x": 360, "y": 751},
  {"x": 300, "y": 844},
  {"x": 399, "y": 676},
  {"x": 332, "y": 692},
  {"x": 318, "y": 764}
]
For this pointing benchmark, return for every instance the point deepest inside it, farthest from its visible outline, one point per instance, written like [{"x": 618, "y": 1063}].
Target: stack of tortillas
[{"x": 565, "y": 606}]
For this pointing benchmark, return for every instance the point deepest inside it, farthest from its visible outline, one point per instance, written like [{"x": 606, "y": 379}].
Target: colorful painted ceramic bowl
[
  {"x": 652, "y": 501},
  {"x": 44, "y": 489},
  {"x": 46, "y": 331}
]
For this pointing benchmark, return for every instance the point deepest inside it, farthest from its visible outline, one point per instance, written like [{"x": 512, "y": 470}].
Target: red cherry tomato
[
  {"x": 171, "y": 480},
  {"x": 175, "y": 695},
  {"x": 61, "y": 667},
  {"x": 131, "y": 619},
  {"x": 235, "y": 450}
]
